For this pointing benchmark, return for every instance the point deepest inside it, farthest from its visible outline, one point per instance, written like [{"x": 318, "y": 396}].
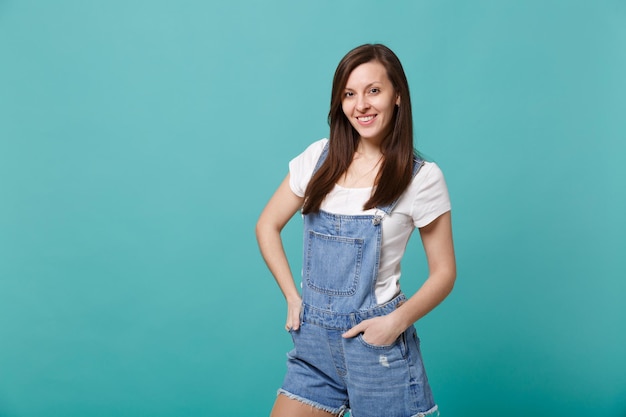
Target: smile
[{"x": 365, "y": 119}]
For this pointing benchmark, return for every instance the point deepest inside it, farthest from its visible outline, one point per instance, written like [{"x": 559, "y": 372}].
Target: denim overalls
[{"x": 326, "y": 371}]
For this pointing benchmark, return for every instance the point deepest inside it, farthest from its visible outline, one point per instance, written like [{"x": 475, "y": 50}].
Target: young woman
[{"x": 361, "y": 192}]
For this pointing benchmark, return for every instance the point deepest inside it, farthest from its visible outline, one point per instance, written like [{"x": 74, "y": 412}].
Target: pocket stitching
[{"x": 356, "y": 244}]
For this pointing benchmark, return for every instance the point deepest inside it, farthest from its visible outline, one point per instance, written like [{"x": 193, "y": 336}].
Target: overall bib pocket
[{"x": 333, "y": 263}]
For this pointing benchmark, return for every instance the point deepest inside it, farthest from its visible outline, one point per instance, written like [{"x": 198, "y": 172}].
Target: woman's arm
[
  {"x": 278, "y": 211},
  {"x": 437, "y": 241}
]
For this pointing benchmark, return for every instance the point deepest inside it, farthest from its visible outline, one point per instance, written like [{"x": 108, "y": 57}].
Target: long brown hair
[{"x": 395, "y": 172}]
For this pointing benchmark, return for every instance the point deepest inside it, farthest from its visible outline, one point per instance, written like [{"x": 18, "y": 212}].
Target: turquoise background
[{"x": 139, "y": 141}]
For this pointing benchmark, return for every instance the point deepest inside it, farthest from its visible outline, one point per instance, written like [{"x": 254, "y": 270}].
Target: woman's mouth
[{"x": 364, "y": 120}]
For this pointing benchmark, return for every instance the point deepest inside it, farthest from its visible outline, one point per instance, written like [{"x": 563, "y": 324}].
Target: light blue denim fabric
[{"x": 326, "y": 371}]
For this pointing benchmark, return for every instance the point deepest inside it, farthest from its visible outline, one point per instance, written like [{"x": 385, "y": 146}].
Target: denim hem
[
  {"x": 432, "y": 411},
  {"x": 337, "y": 411}
]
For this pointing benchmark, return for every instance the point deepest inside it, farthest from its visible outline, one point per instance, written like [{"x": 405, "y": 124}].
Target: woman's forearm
[
  {"x": 278, "y": 211},
  {"x": 434, "y": 290},
  {"x": 272, "y": 250}
]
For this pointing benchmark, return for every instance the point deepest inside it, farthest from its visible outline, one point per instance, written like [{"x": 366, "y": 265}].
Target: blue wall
[{"x": 139, "y": 141}]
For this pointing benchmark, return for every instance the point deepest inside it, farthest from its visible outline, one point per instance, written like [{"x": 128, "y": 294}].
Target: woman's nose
[{"x": 362, "y": 104}]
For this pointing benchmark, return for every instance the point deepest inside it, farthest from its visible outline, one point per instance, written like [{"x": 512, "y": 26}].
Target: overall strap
[{"x": 321, "y": 159}]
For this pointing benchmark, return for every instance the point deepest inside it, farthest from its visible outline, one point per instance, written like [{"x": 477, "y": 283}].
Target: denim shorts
[{"x": 334, "y": 374}]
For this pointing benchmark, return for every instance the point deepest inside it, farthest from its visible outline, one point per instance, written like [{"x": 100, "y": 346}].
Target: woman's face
[{"x": 369, "y": 101}]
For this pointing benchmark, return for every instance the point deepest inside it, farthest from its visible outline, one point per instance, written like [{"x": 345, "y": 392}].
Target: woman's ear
[{"x": 398, "y": 100}]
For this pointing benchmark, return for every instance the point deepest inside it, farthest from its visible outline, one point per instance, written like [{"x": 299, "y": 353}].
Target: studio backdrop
[{"x": 139, "y": 141}]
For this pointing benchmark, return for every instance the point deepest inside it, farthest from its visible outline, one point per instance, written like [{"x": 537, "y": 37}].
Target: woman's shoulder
[
  {"x": 428, "y": 181},
  {"x": 427, "y": 196},
  {"x": 301, "y": 167},
  {"x": 316, "y": 147},
  {"x": 311, "y": 154},
  {"x": 428, "y": 173}
]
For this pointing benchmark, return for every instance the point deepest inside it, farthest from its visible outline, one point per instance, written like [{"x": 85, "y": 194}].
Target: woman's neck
[{"x": 367, "y": 150}]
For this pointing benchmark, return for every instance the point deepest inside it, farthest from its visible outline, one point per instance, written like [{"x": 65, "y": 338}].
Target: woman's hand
[
  {"x": 379, "y": 331},
  {"x": 293, "y": 314}
]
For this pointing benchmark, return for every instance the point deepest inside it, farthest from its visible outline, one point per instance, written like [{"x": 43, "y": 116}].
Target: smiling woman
[
  {"x": 369, "y": 102},
  {"x": 362, "y": 193}
]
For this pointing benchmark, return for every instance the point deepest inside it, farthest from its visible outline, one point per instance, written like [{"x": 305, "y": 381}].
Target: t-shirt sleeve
[
  {"x": 432, "y": 198},
  {"x": 301, "y": 167}
]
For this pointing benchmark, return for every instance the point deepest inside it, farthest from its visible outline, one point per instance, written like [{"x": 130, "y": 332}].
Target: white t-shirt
[{"x": 423, "y": 201}]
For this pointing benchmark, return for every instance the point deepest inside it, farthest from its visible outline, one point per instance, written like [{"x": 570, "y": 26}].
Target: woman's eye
[
  {"x": 348, "y": 94},
  {"x": 374, "y": 90}
]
